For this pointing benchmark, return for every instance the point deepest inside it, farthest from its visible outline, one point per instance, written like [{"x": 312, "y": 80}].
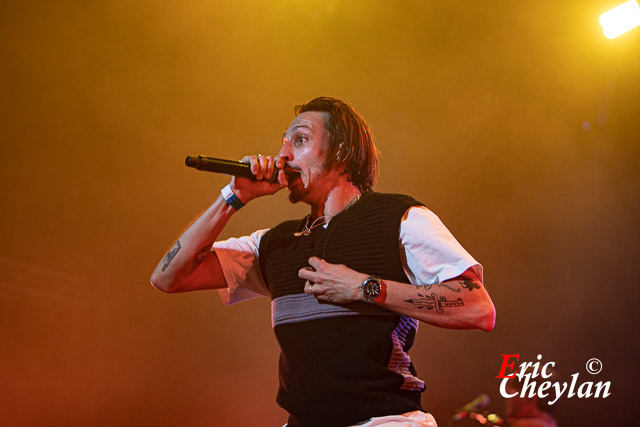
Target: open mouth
[
  {"x": 293, "y": 175},
  {"x": 295, "y": 182}
]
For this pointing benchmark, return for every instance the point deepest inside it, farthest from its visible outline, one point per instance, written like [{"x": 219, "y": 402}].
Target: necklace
[{"x": 322, "y": 220}]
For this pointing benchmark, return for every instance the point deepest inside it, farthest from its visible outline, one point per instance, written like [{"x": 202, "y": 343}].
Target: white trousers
[{"x": 410, "y": 419}]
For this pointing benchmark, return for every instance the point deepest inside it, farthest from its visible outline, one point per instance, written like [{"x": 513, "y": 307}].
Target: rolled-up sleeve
[
  {"x": 241, "y": 268},
  {"x": 430, "y": 252}
]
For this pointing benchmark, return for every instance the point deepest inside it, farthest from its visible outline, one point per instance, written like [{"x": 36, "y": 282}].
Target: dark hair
[{"x": 351, "y": 143}]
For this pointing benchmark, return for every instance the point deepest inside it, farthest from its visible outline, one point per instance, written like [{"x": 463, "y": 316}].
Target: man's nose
[{"x": 285, "y": 152}]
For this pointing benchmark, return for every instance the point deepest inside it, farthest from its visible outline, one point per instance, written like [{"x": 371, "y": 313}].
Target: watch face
[{"x": 372, "y": 288}]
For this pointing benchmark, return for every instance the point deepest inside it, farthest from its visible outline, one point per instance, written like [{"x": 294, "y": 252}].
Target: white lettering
[
  {"x": 531, "y": 387},
  {"x": 536, "y": 366},
  {"x": 559, "y": 392},
  {"x": 529, "y": 371},
  {"x": 503, "y": 389},
  {"x": 544, "y": 369},
  {"x": 583, "y": 393},
  {"x": 574, "y": 378},
  {"x": 523, "y": 367},
  {"x": 599, "y": 387},
  {"x": 544, "y": 386}
]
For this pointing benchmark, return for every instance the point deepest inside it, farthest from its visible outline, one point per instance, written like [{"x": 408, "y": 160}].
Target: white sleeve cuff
[
  {"x": 431, "y": 253},
  {"x": 241, "y": 268}
]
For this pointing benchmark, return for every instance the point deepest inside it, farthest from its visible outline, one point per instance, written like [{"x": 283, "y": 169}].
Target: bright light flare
[{"x": 620, "y": 19}]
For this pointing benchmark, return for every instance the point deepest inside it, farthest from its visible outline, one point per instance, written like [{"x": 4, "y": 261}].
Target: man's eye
[{"x": 300, "y": 140}]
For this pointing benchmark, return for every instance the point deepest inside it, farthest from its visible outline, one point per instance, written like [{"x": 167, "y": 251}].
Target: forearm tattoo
[
  {"x": 431, "y": 301},
  {"x": 201, "y": 255},
  {"x": 171, "y": 255}
]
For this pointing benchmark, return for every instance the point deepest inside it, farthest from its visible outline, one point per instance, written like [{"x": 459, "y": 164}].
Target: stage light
[{"x": 620, "y": 19}]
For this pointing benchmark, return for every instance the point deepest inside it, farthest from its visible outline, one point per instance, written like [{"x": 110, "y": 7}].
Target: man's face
[{"x": 304, "y": 148}]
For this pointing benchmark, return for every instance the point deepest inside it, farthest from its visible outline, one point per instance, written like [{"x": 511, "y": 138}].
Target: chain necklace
[{"x": 322, "y": 220}]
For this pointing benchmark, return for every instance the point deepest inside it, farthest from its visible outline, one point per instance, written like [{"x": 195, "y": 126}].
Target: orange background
[{"x": 516, "y": 122}]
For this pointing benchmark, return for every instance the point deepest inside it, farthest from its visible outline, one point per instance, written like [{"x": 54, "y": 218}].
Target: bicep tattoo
[
  {"x": 452, "y": 285},
  {"x": 171, "y": 255},
  {"x": 446, "y": 285},
  {"x": 469, "y": 284}
]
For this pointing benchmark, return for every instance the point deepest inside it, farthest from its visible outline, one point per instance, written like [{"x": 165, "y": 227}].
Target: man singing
[{"x": 348, "y": 282}]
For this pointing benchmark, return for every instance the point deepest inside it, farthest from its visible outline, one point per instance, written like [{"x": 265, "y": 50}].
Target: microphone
[
  {"x": 481, "y": 401},
  {"x": 228, "y": 167}
]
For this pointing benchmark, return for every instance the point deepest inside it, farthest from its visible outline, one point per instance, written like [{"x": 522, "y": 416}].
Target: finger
[
  {"x": 316, "y": 262},
  {"x": 269, "y": 167},
  {"x": 282, "y": 178},
  {"x": 314, "y": 289},
  {"x": 253, "y": 161},
  {"x": 262, "y": 163},
  {"x": 279, "y": 162},
  {"x": 307, "y": 287},
  {"x": 307, "y": 273}
]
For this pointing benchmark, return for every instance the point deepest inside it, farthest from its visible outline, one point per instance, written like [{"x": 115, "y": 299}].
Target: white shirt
[{"x": 430, "y": 254}]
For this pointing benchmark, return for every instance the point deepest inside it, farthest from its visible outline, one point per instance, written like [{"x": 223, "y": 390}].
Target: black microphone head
[{"x": 191, "y": 161}]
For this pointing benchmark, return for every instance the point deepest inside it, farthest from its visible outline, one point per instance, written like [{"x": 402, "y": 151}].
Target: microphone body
[
  {"x": 212, "y": 164},
  {"x": 229, "y": 167}
]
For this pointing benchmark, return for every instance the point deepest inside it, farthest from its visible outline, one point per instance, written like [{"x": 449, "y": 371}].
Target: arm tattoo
[
  {"x": 171, "y": 255},
  {"x": 201, "y": 255},
  {"x": 459, "y": 284},
  {"x": 433, "y": 301},
  {"x": 470, "y": 284},
  {"x": 439, "y": 285}
]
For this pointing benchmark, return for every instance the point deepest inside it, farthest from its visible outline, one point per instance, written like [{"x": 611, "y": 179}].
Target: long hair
[{"x": 351, "y": 145}]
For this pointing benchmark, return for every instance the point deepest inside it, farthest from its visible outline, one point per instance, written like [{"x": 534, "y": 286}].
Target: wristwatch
[{"x": 371, "y": 288}]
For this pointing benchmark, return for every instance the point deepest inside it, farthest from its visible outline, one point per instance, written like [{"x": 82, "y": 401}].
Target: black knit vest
[{"x": 334, "y": 358}]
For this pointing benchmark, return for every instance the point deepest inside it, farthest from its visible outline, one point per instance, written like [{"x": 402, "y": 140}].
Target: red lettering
[{"x": 505, "y": 365}]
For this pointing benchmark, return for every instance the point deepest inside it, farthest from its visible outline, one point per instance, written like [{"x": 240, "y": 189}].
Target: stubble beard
[
  {"x": 297, "y": 195},
  {"x": 300, "y": 191}
]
